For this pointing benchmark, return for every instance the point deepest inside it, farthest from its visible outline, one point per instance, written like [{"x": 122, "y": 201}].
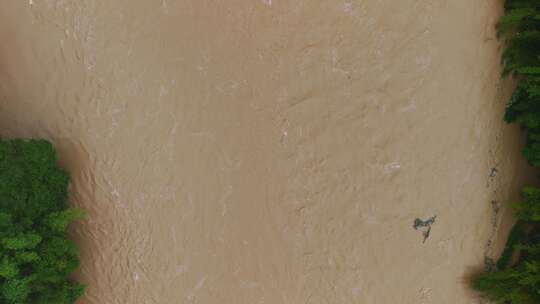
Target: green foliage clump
[
  {"x": 36, "y": 256},
  {"x": 518, "y": 282},
  {"x": 520, "y": 26},
  {"x": 515, "y": 237}
]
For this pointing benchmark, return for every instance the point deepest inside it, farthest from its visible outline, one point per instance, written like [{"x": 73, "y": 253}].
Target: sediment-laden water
[{"x": 268, "y": 151}]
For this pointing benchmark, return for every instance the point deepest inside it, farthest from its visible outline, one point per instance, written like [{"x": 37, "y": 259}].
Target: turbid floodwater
[{"x": 250, "y": 152}]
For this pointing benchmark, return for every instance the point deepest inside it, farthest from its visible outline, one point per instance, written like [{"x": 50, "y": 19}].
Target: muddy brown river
[{"x": 269, "y": 151}]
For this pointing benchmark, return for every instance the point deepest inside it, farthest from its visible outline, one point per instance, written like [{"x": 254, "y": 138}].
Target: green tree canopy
[{"x": 36, "y": 256}]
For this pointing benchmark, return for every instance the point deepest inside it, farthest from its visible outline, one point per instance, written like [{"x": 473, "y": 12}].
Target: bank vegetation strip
[
  {"x": 516, "y": 277},
  {"x": 36, "y": 255}
]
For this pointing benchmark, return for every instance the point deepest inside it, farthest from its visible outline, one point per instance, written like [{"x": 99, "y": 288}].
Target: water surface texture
[{"x": 278, "y": 152}]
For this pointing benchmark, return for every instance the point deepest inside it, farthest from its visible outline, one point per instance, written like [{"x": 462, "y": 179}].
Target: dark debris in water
[{"x": 424, "y": 226}]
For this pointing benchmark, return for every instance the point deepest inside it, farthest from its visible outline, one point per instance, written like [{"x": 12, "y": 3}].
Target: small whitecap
[
  {"x": 391, "y": 167},
  {"x": 348, "y": 7}
]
